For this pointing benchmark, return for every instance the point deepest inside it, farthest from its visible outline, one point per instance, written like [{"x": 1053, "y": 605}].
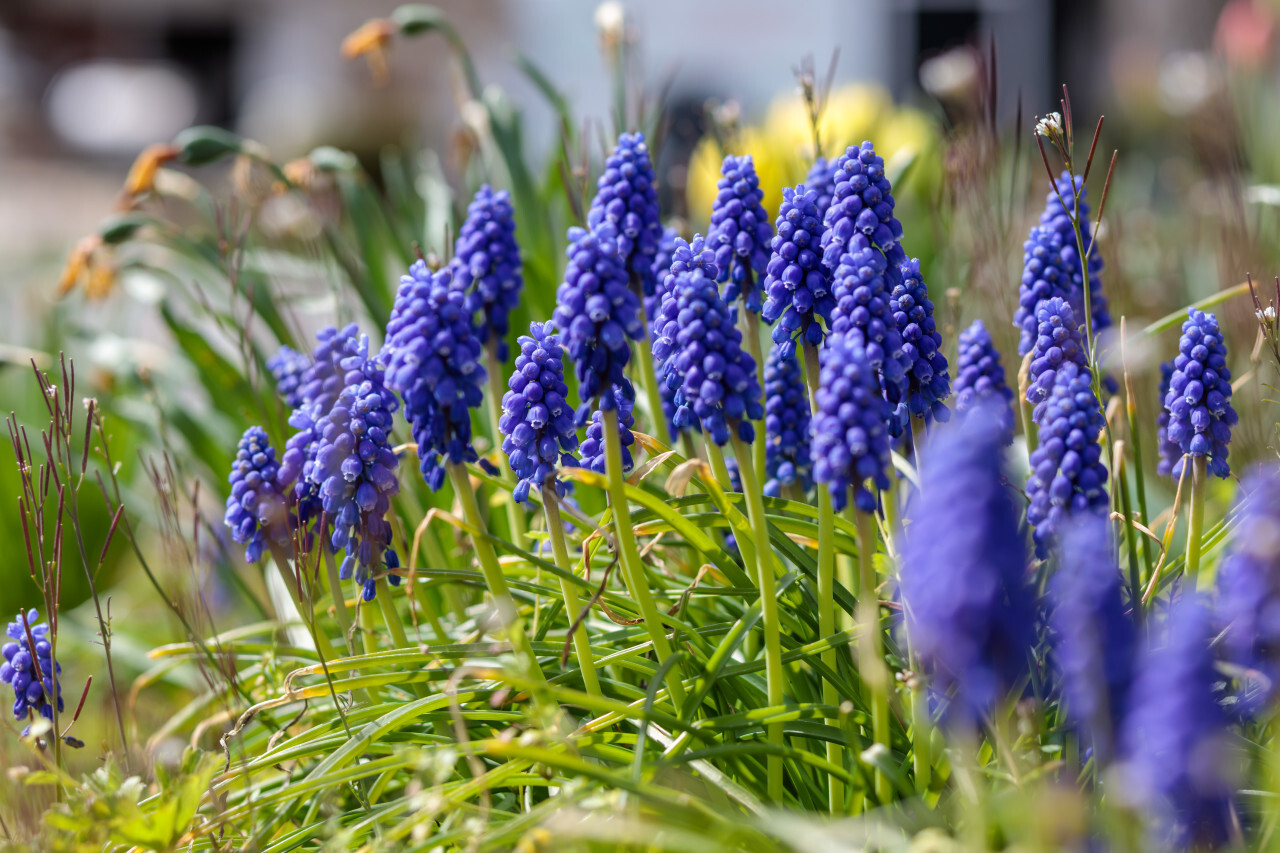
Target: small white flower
[
  {"x": 1050, "y": 126},
  {"x": 610, "y": 18},
  {"x": 1266, "y": 316}
]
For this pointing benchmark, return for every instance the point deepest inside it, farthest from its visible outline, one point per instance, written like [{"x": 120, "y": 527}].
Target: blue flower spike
[
  {"x": 487, "y": 266},
  {"x": 850, "y": 445},
  {"x": 537, "y": 420},
  {"x": 797, "y": 286},
  {"x": 257, "y": 513},
  {"x": 740, "y": 233},
  {"x": 627, "y": 198},
  {"x": 980, "y": 379},
  {"x": 1199, "y": 399},
  {"x": 30, "y": 669}
]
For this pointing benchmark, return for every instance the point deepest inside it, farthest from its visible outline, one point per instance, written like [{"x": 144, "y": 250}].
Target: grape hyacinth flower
[
  {"x": 700, "y": 350},
  {"x": 537, "y": 421},
  {"x": 355, "y": 472},
  {"x": 1199, "y": 398},
  {"x": 627, "y": 198},
  {"x": 1058, "y": 218},
  {"x": 1057, "y": 342},
  {"x": 1249, "y": 589},
  {"x": 1044, "y": 276},
  {"x": 593, "y": 450},
  {"x": 969, "y": 610},
  {"x": 324, "y": 380},
  {"x": 289, "y": 367},
  {"x": 822, "y": 180},
  {"x": 434, "y": 361},
  {"x": 1175, "y": 735},
  {"x": 1170, "y": 451},
  {"x": 786, "y": 426},
  {"x": 486, "y": 264},
  {"x": 661, "y": 269},
  {"x": 1094, "y": 639},
  {"x": 860, "y": 251},
  {"x": 797, "y": 286},
  {"x": 928, "y": 382},
  {"x": 739, "y": 233},
  {"x": 980, "y": 379},
  {"x": 598, "y": 315},
  {"x": 31, "y": 671},
  {"x": 256, "y": 511},
  {"x": 1067, "y": 478},
  {"x": 850, "y": 439}
]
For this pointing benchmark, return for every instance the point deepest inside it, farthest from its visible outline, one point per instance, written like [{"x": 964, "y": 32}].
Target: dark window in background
[
  {"x": 206, "y": 52},
  {"x": 940, "y": 30}
]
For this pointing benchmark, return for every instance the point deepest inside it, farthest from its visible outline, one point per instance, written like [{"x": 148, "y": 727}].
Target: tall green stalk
[
  {"x": 1195, "y": 517},
  {"x": 508, "y": 615},
  {"x": 765, "y": 580},
  {"x": 339, "y": 599},
  {"x": 493, "y": 401},
  {"x": 305, "y": 612},
  {"x": 572, "y": 606},
  {"x": 871, "y": 664},
  {"x": 629, "y": 555}
]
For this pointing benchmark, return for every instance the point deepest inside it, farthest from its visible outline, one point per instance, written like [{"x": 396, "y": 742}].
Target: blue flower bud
[
  {"x": 1044, "y": 277},
  {"x": 1057, "y": 218},
  {"x": 31, "y": 672},
  {"x": 289, "y": 367},
  {"x": 593, "y": 448},
  {"x": 822, "y": 180},
  {"x": 1170, "y": 452},
  {"x": 1057, "y": 342},
  {"x": 256, "y": 510}
]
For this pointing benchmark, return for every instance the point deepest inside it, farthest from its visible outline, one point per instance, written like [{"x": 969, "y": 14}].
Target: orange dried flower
[{"x": 370, "y": 40}]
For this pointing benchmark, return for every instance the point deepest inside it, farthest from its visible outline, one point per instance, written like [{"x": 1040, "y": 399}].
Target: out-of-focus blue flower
[
  {"x": 486, "y": 264},
  {"x": 797, "y": 286},
  {"x": 434, "y": 361},
  {"x": 928, "y": 382},
  {"x": 1057, "y": 342},
  {"x": 850, "y": 440},
  {"x": 701, "y": 354},
  {"x": 822, "y": 180},
  {"x": 1249, "y": 588},
  {"x": 860, "y": 250},
  {"x": 324, "y": 380},
  {"x": 256, "y": 511},
  {"x": 969, "y": 611},
  {"x": 355, "y": 472},
  {"x": 537, "y": 419},
  {"x": 1175, "y": 740},
  {"x": 980, "y": 379},
  {"x": 31, "y": 672},
  {"x": 1199, "y": 398},
  {"x": 1044, "y": 276},
  {"x": 740, "y": 233},
  {"x": 1170, "y": 451},
  {"x": 1094, "y": 643},
  {"x": 627, "y": 198},
  {"x": 1056, "y": 217},
  {"x": 787, "y": 458},
  {"x": 593, "y": 450},
  {"x": 288, "y": 366},
  {"x": 598, "y": 315},
  {"x": 1067, "y": 478}
]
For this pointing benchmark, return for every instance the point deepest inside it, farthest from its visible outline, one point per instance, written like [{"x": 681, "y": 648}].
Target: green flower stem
[
  {"x": 508, "y": 615},
  {"x": 629, "y": 556},
  {"x": 572, "y": 607},
  {"x": 1195, "y": 518},
  {"x": 752, "y": 330},
  {"x": 305, "y": 613},
  {"x": 774, "y": 677},
  {"x": 826, "y": 570},
  {"x": 918, "y": 435},
  {"x": 1121, "y": 468},
  {"x": 1140, "y": 480},
  {"x": 339, "y": 599},
  {"x": 718, "y": 466},
  {"x": 687, "y": 445},
  {"x": 921, "y": 732},
  {"x": 644, "y": 363},
  {"x": 395, "y": 624},
  {"x": 871, "y": 664},
  {"x": 493, "y": 400}
]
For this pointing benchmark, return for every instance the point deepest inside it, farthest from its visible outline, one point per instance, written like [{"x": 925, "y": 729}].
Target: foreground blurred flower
[
  {"x": 798, "y": 287},
  {"x": 1249, "y": 589},
  {"x": 627, "y": 198},
  {"x": 31, "y": 671},
  {"x": 355, "y": 469},
  {"x": 701, "y": 355},
  {"x": 289, "y": 368},
  {"x": 739, "y": 233},
  {"x": 433, "y": 355},
  {"x": 980, "y": 379},
  {"x": 1199, "y": 398},
  {"x": 928, "y": 382},
  {"x": 256, "y": 510},
  {"x": 786, "y": 426},
  {"x": 1175, "y": 739},
  {"x": 1057, "y": 342},
  {"x": 861, "y": 253},
  {"x": 537, "y": 421},
  {"x": 486, "y": 264},
  {"x": 968, "y": 609},
  {"x": 1067, "y": 478},
  {"x": 1170, "y": 451},
  {"x": 599, "y": 316},
  {"x": 850, "y": 440},
  {"x": 1094, "y": 639},
  {"x": 1044, "y": 276}
]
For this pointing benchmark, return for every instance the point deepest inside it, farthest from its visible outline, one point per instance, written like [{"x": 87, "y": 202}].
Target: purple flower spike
[
  {"x": 787, "y": 458},
  {"x": 980, "y": 379},
  {"x": 1199, "y": 398},
  {"x": 822, "y": 180},
  {"x": 486, "y": 264},
  {"x": 31, "y": 672},
  {"x": 928, "y": 382},
  {"x": 256, "y": 511},
  {"x": 1170, "y": 451},
  {"x": 740, "y": 233},
  {"x": 627, "y": 198},
  {"x": 798, "y": 287},
  {"x": 1057, "y": 342},
  {"x": 1057, "y": 218},
  {"x": 1044, "y": 277},
  {"x": 850, "y": 440},
  {"x": 537, "y": 421}
]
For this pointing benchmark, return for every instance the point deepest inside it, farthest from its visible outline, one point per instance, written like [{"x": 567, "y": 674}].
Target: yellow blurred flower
[
  {"x": 782, "y": 144},
  {"x": 93, "y": 261},
  {"x": 370, "y": 40}
]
